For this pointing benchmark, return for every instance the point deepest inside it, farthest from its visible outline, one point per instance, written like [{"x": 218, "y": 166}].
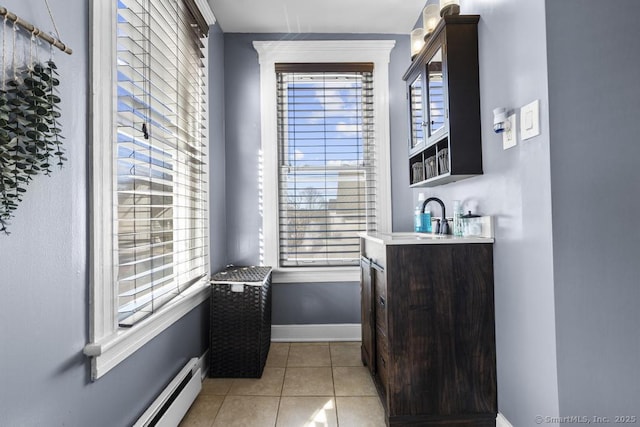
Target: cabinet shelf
[{"x": 444, "y": 105}]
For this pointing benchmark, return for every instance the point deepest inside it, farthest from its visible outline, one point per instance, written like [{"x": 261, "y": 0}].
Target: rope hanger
[{"x": 35, "y": 30}]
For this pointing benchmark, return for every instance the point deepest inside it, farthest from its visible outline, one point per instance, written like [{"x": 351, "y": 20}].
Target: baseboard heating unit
[{"x": 174, "y": 401}]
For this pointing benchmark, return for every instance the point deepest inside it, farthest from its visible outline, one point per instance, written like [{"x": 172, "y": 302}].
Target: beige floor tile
[
  {"x": 309, "y": 355},
  {"x": 216, "y": 386},
  {"x": 360, "y": 412},
  {"x": 307, "y": 412},
  {"x": 247, "y": 411},
  {"x": 203, "y": 411},
  {"x": 345, "y": 354},
  {"x": 298, "y": 388},
  {"x": 296, "y": 344},
  {"x": 353, "y": 381},
  {"x": 308, "y": 382},
  {"x": 270, "y": 384},
  {"x": 278, "y": 354}
]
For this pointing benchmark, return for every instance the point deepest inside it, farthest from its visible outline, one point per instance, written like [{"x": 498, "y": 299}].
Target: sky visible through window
[{"x": 324, "y": 129}]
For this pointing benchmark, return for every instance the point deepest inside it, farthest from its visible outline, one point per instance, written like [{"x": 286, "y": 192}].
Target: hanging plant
[{"x": 30, "y": 139}]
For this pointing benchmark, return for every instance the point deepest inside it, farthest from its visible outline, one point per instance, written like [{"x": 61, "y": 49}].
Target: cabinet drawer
[{"x": 382, "y": 359}]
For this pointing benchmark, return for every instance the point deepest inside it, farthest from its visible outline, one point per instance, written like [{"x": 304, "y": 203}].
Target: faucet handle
[{"x": 444, "y": 227}]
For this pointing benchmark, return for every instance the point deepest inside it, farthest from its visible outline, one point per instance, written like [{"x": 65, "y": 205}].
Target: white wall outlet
[
  {"x": 509, "y": 136},
  {"x": 530, "y": 120}
]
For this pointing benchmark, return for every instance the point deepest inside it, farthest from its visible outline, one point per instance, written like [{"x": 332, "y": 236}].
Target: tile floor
[{"x": 303, "y": 385}]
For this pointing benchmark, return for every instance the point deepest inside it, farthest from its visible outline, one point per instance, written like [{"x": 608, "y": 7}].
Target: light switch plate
[
  {"x": 530, "y": 120},
  {"x": 509, "y": 136}
]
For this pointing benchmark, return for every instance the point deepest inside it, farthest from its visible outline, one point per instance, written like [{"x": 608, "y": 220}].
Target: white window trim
[
  {"x": 310, "y": 51},
  {"x": 110, "y": 344}
]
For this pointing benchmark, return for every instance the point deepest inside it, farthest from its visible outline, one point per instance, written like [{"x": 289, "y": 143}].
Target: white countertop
[{"x": 422, "y": 238}]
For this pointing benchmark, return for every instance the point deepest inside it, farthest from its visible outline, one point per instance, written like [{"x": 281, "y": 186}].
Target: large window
[
  {"x": 325, "y": 141},
  {"x": 149, "y": 148},
  {"x": 160, "y": 167},
  {"x": 326, "y": 162}
]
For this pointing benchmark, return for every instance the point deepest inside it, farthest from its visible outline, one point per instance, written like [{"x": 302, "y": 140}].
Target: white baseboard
[
  {"x": 501, "y": 421},
  {"x": 303, "y": 333}
]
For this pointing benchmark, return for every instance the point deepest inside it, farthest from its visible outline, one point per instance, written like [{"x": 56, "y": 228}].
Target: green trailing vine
[{"x": 30, "y": 133}]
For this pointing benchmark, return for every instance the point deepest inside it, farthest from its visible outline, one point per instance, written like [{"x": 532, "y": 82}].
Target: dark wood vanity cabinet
[{"x": 428, "y": 332}]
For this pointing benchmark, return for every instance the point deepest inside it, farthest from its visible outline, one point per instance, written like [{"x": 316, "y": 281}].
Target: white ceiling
[{"x": 317, "y": 16}]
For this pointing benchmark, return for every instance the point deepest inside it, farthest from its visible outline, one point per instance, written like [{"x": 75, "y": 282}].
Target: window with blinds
[
  {"x": 160, "y": 176},
  {"x": 326, "y": 158}
]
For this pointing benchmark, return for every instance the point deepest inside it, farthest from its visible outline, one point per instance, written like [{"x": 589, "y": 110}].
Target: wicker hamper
[{"x": 240, "y": 322}]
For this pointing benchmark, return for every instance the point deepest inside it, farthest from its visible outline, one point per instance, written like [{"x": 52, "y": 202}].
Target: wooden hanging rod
[{"x": 34, "y": 30}]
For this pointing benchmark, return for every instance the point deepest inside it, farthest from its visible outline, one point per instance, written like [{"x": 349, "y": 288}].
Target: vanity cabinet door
[
  {"x": 367, "y": 314},
  {"x": 436, "y": 98},
  {"x": 416, "y": 113}
]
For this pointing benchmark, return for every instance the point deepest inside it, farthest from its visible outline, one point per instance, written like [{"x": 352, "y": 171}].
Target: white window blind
[
  {"x": 327, "y": 176},
  {"x": 160, "y": 176}
]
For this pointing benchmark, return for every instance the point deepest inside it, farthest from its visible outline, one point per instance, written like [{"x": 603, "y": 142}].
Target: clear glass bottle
[
  {"x": 417, "y": 215},
  {"x": 457, "y": 218}
]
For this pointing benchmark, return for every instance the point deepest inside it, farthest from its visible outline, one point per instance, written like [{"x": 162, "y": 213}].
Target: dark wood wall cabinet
[
  {"x": 428, "y": 335},
  {"x": 443, "y": 89}
]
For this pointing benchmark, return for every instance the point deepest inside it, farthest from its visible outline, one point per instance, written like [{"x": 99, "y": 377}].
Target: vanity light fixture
[
  {"x": 417, "y": 41},
  {"x": 430, "y": 18},
  {"x": 449, "y": 7}
]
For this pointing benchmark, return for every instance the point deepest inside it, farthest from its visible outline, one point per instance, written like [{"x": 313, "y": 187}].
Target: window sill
[
  {"x": 316, "y": 274},
  {"x": 110, "y": 351}
]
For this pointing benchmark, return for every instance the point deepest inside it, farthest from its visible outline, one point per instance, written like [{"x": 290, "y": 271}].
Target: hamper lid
[{"x": 235, "y": 274}]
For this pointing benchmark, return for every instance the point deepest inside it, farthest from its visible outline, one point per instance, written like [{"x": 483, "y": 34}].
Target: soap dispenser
[{"x": 421, "y": 221}]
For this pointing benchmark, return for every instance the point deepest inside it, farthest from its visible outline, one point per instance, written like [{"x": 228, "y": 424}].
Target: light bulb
[
  {"x": 417, "y": 41},
  {"x": 430, "y": 18}
]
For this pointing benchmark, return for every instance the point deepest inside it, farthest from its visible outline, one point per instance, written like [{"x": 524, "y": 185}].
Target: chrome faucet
[{"x": 442, "y": 227}]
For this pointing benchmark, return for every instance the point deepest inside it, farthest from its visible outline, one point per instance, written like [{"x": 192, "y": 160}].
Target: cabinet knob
[{"x": 382, "y": 301}]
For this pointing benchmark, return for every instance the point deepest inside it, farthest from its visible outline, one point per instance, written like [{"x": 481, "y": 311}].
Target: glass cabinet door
[
  {"x": 416, "y": 112},
  {"x": 435, "y": 95}
]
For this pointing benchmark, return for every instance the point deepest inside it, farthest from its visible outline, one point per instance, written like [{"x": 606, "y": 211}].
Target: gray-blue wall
[
  {"x": 44, "y": 317},
  {"x": 315, "y": 303},
  {"x": 594, "y": 57},
  {"x": 300, "y": 303},
  {"x": 217, "y": 166}
]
